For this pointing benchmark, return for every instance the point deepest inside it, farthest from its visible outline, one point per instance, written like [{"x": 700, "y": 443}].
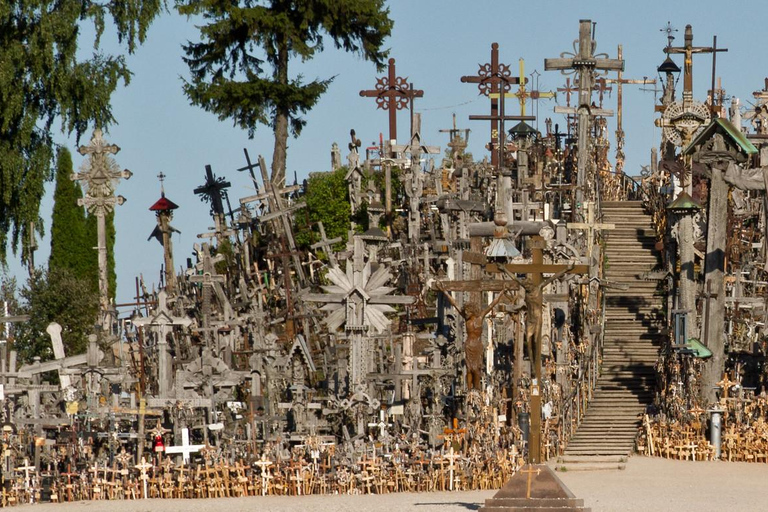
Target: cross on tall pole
[
  {"x": 688, "y": 50},
  {"x": 585, "y": 63},
  {"x": 392, "y": 93},
  {"x": 534, "y": 285},
  {"x": 620, "y": 81},
  {"x": 100, "y": 174},
  {"x": 494, "y": 80},
  {"x": 213, "y": 190}
]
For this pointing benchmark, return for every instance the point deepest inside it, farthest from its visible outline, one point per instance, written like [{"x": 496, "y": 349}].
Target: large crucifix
[
  {"x": 688, "y": 50},
  {"x": 585, "y": 63},
  {"x": 534, "y": 285},
  {"x": 392, "y": 93},
  {"x": 474, "y": 318},
  {"x": 495, "y": 80}
]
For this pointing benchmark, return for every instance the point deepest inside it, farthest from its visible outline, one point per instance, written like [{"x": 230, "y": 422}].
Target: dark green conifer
[
  {"x": 240, "y": 68},
  {"x": 44, "y": 79}
]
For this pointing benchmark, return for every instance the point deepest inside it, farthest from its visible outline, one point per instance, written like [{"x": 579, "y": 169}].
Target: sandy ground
[{"x": 645, "y": 485}]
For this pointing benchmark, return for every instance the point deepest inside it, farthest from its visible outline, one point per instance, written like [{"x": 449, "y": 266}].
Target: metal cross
[
  {"x": 213, "y": 190},
  {"x": 495, "y": 80},
  {"x": 568, "y": 89},
  {"x": 392, "y": 93}
]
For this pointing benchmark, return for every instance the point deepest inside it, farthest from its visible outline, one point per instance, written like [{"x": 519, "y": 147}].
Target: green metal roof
[{"x": 734, "y": 133}]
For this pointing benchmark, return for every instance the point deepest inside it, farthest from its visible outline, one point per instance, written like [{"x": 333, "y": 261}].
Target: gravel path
[{"x": 645, "y": 485}]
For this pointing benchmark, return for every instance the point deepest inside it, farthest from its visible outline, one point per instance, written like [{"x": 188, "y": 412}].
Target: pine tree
[
  {"x": 45, "y": 79},
  {"x": 71, "y": 243},
  {"x": 240, "y": 69}
]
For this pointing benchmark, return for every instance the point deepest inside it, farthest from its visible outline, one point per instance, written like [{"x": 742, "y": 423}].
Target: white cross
[
  {"x": 143, "y": 467},
  {"x": 26, "y": 468},
  {"x": 264, "y": 464},
  {"x": 185, "y": 449},
  {"x": 452, "y": 457}
]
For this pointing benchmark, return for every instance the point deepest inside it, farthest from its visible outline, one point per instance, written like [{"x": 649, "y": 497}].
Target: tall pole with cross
[
  {"x": 392, "y": 93},
  {"x": 100, "y": 174},
  {"x": 585, "y": 63},
  {"x": 534, "y": 285},
  {"x": 620, "y": 81},
  {"x": 495, "y": 80}
]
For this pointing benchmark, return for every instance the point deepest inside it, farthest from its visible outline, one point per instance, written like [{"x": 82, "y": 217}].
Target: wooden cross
[
  {"x": 726, "y": 384},
  {"x": 143, "y": 467},
  {"x": 326, "y": 244},
  {"x": 27, "y": 468},
  {"x": 392, "y": 93},
  {"x": 452, "y": 458},
  {"x": 585, "y": 63},
  {"x": 264, "y": 465},
  {"x": 530, "y": 472},
  {"x": 100, "y": 175},
  {"x": 185, "y": 448},
  {"x": 590, "y": 225},
  {"x": 534, "y": 286},
  {"x": 381, "y": 424},
  {"x": 279, "y": 210},
  {"x": 250, "y": 167},
  {"x": 688, "y": 50},
  {"x": 494, "y": 80}
]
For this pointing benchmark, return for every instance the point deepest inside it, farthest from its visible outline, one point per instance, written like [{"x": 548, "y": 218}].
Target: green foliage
[
  {"x": 71, "y": 240},
  {"x": 55, "y": 296},
  {"x": 42, "y": 80},
  {"x": 240, "y": 68},
  {"x": 327, "y": 198}
]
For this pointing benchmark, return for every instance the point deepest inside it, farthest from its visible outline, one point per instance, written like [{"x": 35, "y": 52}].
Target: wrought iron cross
[
  {"x": 213, "y": 190},
  {"x": 495, "y": 81},
  {"x": 392, "y": 93}
]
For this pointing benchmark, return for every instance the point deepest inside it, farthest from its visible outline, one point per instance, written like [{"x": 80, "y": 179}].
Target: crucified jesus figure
[
  {"x": 473, "y": 346},
  {"x": 534, "y": 303}
]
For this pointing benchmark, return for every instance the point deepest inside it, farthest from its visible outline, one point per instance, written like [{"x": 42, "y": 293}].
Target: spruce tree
[
  {"x": 71, "y": 242},
  {"x": 45, "y": 78},
  {"x": 240, "y": 69}
]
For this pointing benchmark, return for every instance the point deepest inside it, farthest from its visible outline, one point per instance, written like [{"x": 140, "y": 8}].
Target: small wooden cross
[
  {"x": 726, "y": 384},
  {"x": 143, "y": 467},
  {"x": 264, "y": 464}
]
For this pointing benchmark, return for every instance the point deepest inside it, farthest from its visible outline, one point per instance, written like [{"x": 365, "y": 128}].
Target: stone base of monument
[{"x": 534, "y": 488}]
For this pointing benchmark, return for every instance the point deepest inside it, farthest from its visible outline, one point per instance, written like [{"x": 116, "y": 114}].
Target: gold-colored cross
[{"x": 530, "y": 471}]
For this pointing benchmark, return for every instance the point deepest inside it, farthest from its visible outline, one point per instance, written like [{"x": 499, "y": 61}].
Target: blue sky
[{"x": 434, "y": 44}]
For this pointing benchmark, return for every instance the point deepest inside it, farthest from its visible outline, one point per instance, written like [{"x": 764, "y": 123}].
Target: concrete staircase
[{"x": 632, "y": 339}]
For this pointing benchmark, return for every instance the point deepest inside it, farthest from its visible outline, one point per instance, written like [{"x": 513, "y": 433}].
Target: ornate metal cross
[
  {"x": 392, "y": 93},
  {"x": 495, "y": 81}
]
